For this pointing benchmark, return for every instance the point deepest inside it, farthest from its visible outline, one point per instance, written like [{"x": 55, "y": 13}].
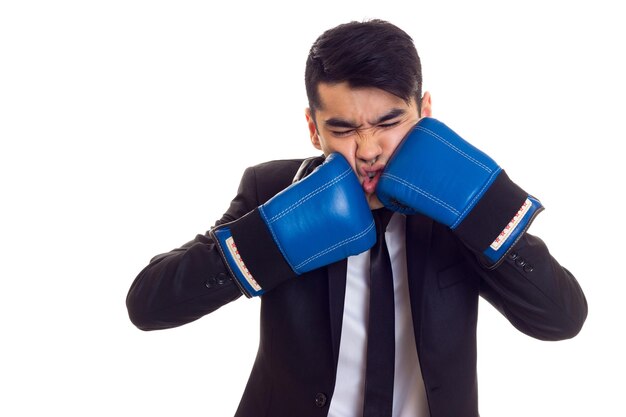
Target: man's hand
[{"x": 437, "y": 173}]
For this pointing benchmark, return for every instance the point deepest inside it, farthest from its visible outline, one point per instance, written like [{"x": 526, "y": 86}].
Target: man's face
[{"x": 365, "y": 125}]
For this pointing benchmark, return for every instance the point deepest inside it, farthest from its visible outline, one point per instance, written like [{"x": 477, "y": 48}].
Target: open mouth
[{"x": 370, "y": 180}]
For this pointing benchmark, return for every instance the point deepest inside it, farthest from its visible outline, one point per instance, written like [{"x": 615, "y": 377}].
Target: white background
[{"x": 125, "y": 127}]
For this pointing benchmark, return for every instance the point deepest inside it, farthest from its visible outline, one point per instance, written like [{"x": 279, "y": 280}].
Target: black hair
[{"x": 373, "y": 53}]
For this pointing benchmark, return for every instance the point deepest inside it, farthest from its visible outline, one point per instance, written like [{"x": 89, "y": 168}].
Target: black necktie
[{"x": 378, "y": 397}]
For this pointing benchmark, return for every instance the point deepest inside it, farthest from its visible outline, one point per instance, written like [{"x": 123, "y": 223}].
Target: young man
[{"x": 306, "y": 237}]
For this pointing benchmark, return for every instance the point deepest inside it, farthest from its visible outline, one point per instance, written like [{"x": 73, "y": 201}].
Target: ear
[
  {"x": 426, "y": 109},
  {"x": 315, "y": 138}
]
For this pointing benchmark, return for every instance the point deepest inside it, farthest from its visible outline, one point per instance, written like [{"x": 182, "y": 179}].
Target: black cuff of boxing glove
[
  {"x": 252, "y": 255},
  {"x": 504, "y": 205}
]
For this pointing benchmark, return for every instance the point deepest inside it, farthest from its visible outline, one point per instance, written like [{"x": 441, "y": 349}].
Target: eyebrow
[
  {"x": 339, "y": 122},
  {"x": 391, "y": 115},
  {"x": 343, "y": 123}
]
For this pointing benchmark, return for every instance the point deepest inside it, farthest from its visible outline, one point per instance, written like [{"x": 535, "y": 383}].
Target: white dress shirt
[{"x": 409, "y": 396}]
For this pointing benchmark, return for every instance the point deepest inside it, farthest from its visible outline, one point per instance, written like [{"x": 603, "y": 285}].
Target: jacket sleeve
[
  {"x": 534, "y": 292},
  {"x": 191, "y": 281}
]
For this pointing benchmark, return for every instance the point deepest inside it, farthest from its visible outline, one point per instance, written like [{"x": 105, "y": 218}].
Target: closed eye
[
  {"x": 392, "y": 124},
  {"x": 342, "y": 132}
]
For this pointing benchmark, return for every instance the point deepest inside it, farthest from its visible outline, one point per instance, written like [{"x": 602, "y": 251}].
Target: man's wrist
[
  {"x": 251, "y": 255},
  {"x": 498, "y": 220}
]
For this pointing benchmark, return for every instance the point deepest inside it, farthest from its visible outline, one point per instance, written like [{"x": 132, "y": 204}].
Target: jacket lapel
[
  {"x": 418, "y": 239},
  {"x": 336, "y": 296}
]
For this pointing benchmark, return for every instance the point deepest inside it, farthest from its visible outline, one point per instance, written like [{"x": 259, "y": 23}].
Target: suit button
[
  {"x": 221, "y": 278},
  {"x": 513, "y": 255},
  {"x": 320, "y": 399},
  {"x": 210, "y": 282},
  {"x": 528, "y": 268},
  {"x": 520, "y": 261}
]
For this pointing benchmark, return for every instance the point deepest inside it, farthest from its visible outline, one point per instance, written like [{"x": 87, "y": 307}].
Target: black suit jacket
[{"x": 301, "y": 316}]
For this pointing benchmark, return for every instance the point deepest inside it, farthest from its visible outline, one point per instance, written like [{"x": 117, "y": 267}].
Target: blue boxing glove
[
  {"x": 314, "y": 222},
  {"x": 437, "y": 173}
]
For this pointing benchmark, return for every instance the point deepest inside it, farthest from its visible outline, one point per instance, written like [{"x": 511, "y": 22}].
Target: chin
[{"x": 374, "y": 202}]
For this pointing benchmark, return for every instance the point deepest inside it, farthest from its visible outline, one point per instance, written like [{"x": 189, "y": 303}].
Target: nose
[{"x": 368, "y": 149}]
